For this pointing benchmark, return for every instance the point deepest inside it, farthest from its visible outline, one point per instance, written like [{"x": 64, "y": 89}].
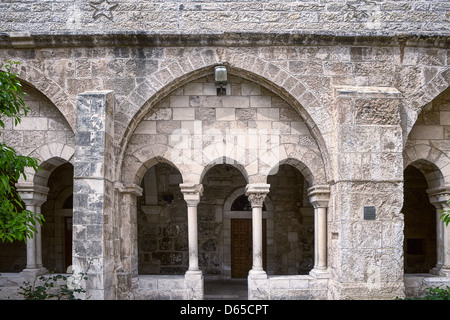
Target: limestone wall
[
  {"x": 342, "y": 82},
  {"x": 184, "y": 17}
]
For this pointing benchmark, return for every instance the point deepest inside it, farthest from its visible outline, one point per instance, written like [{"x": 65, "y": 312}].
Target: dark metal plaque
[{"x": 369, "y": 213}]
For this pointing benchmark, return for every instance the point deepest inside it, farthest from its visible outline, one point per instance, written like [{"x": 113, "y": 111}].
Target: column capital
[
  {"x": 31, "y": 194},
  {"x": 319, "y": 196},
  {"x": 129, "y": 188},
  {"x": 256, "y": 193},
  {"x": 191, "y": 193},
  {"x": 439, "y": 196}
]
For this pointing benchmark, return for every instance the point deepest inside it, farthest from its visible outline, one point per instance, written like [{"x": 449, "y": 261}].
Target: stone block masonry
[
  {"x": 346, "y": 93},
  {"x": 189, "y": 17},
  {"x": 93, "y": 219}
]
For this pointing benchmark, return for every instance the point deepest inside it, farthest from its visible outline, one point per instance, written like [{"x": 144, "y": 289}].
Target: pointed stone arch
[
  {"x": 52, "y": 90},
  {"x": 424, "y": 95},
  {"x": 179, "y": 72}
]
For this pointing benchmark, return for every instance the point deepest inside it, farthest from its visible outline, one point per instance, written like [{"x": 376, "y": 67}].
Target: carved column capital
[
  {"x": 439, "y": 196},
  {"x": 31, "y": 194},
  {"x": 319, "y": 196},
  {"x": 191, "y": 193},
  {"x": 256, "y": 194}
]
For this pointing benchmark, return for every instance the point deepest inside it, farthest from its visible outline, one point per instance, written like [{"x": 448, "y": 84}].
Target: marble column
[
  {"x": 439, "y": 198},
  {"x": 256, "y": 194},
  {"x": 34, "y": 196},
  {"x": 319, "y": 197},
  {"x": 192, "y": 194},
  {"x": 193, "y": 279}
]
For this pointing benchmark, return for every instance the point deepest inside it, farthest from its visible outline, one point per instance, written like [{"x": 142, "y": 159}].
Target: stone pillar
[
  {"x": 439, "y": 198},
  {"x": 319, "y": 197},
  {"x": 366, "y": 194},
  {"x": 256, "y": 194},
  {"x": 192, "y": 194},
  {"x": 94, "y": 225},
  {"x": 127, "y": 273},
  {"x": 193, "y": 276},
  {"x": 33, "y": 196}
]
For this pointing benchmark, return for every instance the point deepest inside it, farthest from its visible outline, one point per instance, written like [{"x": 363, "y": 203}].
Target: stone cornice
[{"x": 27, "y": 39}]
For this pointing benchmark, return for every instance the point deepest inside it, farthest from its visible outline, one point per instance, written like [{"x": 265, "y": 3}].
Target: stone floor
[{"x": 235, "y": 289}]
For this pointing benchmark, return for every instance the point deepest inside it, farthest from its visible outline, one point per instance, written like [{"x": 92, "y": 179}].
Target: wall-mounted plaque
[{"x": 369, "y": 213}]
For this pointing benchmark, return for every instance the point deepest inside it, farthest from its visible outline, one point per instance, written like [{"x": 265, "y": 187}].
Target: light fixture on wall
[{"x": 220, "y": 78}]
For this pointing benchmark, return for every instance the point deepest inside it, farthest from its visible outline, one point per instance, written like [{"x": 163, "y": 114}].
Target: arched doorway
[
  {"x": 238, "y": 235},
  {"x": 58, "y": 213},
  {"x": 293, "y": 220},
  {"x": 162, "y": 223},
  {"x": 420, "y": 224}
]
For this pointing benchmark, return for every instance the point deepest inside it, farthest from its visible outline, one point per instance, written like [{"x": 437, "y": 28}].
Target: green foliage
[
  {"x": 445, "y": 217},
  {"x": 434, "y": 293},
  {"x": 15, "y": 222},
  {"x": 51, "y": 287}
]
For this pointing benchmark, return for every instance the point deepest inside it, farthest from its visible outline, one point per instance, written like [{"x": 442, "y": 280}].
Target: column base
[
  {"x": 320, "y": 273},
  {"x": 257, "y": 274},
  {"x": 193, "y": 284},
  {"x": 194, "y": 274},
  {"x": 33, "y": 272},
  {"x": 444, "y": 272},
  {"x": 436, "y": 270}
]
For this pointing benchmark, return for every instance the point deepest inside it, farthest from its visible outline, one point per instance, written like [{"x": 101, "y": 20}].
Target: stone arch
[
  {"x": 240, "y": 191},
  {"x": 179, "y": 72},
  {"x": 424, "y": 95},
  {"x": 37, "y": 79},
  {"x": 307, "y": 161},
  {"x": 226, "y": 161},
  {"x": 432, "y": 162},
  {"x": 138, "y": 166},
  {"x": 50, "y": 157}
]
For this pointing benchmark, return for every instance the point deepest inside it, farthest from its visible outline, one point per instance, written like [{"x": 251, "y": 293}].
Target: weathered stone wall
[
  {"x": 183, "y": 17},
  {"x": 327, "y": 72}
]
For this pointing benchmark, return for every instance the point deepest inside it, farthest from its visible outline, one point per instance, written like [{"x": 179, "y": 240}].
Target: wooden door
[{"x": 242, "y": 247}]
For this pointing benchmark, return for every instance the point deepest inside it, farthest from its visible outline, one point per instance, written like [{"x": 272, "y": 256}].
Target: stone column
[
  {"x": 256, "y": 194},
  {"x": 127, "y": 273},
  {"x": 319, "y": 197},
  {"x": 33, "y": 196},
  {"x": 439, "y": 198},
  {"x": 192, "y": 194},
  {"x": 94, "y": 218},
  {"x": 193, "y": 276}
]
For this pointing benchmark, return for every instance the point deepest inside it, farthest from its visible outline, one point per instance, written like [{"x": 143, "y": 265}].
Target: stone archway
[
  {"x": 420, "y": 224},
  {"x": 194, "y": 130}
]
